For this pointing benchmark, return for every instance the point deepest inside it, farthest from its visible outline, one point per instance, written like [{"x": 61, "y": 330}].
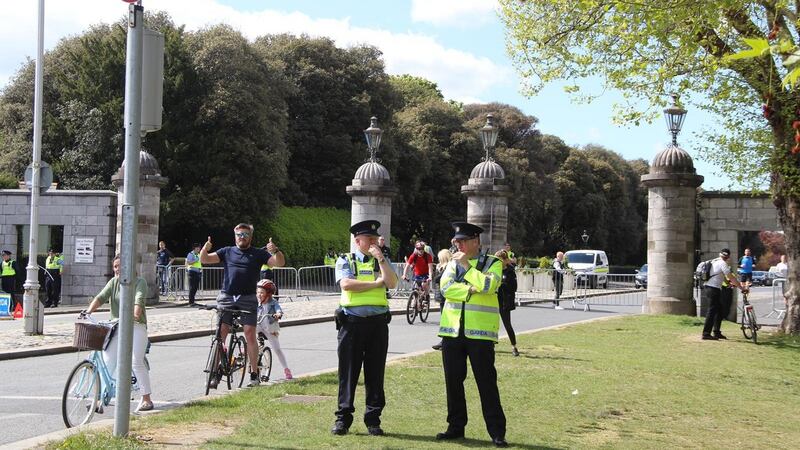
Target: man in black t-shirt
[
  {"x": 164, "y": 259},
  {"x": 241, "y": 267}
]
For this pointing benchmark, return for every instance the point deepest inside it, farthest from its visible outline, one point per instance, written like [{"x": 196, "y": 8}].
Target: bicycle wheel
[
  {"x": 81, "y": 395},
  {"x": 411, "y": 307},
  {"x": 238, "y": 359},
  {"x": 213, "y": 364},
  {"x": 747, "y": 327},
  {"x": 424, "y": 308},
  {"x": 753, "y": 324},
  {"x": 264, "y": 360}
]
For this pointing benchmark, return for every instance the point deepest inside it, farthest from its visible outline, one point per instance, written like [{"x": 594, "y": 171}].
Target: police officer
[
  {"x": 362, "y": 320},
  {"x": 8, "y": 275},
  {"x": 195, "y": 269},
  {"x": 468, "y": 327},
  {"x": 52, "y": 280}
]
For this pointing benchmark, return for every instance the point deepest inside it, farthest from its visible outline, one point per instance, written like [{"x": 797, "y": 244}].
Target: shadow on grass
[
  {"x": 780, "y": 342},
  {"x": 523, "y": 354}
]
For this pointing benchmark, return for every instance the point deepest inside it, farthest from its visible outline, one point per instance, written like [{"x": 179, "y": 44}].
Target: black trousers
[
  {"x": 714, "y": 312},
  {"x": 8, "y": 285},
  {"x": 52, "y": 286},
  {"x": 455, "y": 352},
  {"x": 505, "y": 314},
  {"x": 366, "y": 343},
  {"x": 558, "y": 280},
  {"x": 194, "y": 284},
  {"x": 725, "y": 300}
]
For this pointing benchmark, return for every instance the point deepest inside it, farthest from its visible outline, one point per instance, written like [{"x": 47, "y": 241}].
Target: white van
[{"x": 589, "y": 261}]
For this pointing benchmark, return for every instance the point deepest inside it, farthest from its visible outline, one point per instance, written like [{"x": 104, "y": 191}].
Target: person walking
[
  {"x": 746, "y": 263},
  {"x": 241, "y": 266},
  {"x": 362, "y": 320},
  {"x": 52, "y": 281},
  {"x": 559, "y": 267},
  {"x": 111, "y": 294},
  {"x": 195, "y": 268},
  {"x": 511, "y": 256},
  {"x": 8, "y": 277},
  {"x": 269, "y": 313},
  {"x": 469, "y": 325},
  {"x": 164, "y": 259},
  {"x": 720, "y": 271},
  {"x": 506, "y": 297}
]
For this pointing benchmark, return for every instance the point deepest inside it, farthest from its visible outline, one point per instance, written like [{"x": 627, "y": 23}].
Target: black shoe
[
  {"x": 708, "y": 337},
  {"x": 437, "y": 346},
  {"x": 499, "y": 442},
  {"x": 339, "y": 429},
  {"x": 719, "y": 336},
  {"x": 450, "y": 435},
  {"x": 375, "y": 431}
]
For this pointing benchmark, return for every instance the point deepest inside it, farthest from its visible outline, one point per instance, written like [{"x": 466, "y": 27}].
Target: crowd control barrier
[
  {"x": 778, "y": 302},
  {"x": 582, "y": 289}
]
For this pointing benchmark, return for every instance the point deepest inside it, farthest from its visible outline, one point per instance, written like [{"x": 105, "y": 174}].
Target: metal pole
[
  {"x": 127, "y": 277},
  {"x": 32, "y": 309}
]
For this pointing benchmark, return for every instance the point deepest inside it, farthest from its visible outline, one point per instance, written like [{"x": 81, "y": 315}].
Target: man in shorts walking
[{"x": 242, "y": 266}]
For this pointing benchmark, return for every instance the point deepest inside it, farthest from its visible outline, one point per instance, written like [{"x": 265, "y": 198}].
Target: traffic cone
[{"x": 18, "y": 311}]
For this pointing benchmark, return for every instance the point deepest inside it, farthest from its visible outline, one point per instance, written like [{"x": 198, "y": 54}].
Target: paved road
[{"x": 30, "y": 392}]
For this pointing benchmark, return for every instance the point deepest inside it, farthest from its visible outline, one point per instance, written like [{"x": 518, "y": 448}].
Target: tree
[{"x": 649, "y": 49}]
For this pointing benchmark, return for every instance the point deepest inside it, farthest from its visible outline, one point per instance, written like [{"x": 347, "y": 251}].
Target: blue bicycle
[{"x": 90, "y": 386}]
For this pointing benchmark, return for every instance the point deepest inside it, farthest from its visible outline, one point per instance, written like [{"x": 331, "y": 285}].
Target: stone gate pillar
[
  {"x": 372, "y": 192},
  {"x": 150, "y": 184},
  {"x": 672, "y": 188},
  {"x": 487, "y": 203}
]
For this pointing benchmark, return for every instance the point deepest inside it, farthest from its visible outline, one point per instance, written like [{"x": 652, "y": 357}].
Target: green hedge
[
  {"x": 8, "y": 181},
  {"x": 305, "y": 234}
]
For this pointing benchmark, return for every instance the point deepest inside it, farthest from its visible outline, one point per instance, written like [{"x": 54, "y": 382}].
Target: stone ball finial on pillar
[
  {"x": 672, "y": 188},
  {"x": 372, "y": 192},
  {"x": 487, "y": 203},
  {"x": 150, "y": 184}
]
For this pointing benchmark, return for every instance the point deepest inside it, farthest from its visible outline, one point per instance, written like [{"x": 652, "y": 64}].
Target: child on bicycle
[{"x": 269, "y": 313}]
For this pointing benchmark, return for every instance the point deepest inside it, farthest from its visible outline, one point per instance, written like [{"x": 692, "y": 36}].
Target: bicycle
[
  {"x": 264, "y": 358},
  {"x": 419, "y": 302},
  {"x": 749, "y": 325},
  {"x": 230, "y": 361},
  {"x": 90, "y": 386}
]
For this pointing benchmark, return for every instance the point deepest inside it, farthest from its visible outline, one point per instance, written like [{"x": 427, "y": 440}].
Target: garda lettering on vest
[{"x": 364, "y": 272}]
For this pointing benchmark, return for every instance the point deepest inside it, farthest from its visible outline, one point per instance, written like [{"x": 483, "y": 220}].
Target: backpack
[{"x": 703, "y": 270}]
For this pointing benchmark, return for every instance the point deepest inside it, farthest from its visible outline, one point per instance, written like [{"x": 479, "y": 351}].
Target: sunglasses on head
[{"x": 242, "y": 234}]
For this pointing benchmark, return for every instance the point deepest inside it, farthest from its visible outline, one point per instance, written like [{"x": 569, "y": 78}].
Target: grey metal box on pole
[{"x": 152, "y": 80}]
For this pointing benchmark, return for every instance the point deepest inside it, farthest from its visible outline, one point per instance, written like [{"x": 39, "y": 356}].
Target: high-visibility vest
[
  {"x": 367, "y": 271},
  {"x": 52, "y": 263},
  {"x": 196, "y": 264},
  {"x": 265, "y": 267},
  {"x": 8, "y": 268},
  {"x": 481, "y": 310},
  {"x": 329, "y": 261}
]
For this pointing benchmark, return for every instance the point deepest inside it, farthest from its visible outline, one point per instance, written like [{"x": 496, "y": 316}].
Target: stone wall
[
  {"x": 83, "y": 214},
  {"x": 722, "y": 216}
]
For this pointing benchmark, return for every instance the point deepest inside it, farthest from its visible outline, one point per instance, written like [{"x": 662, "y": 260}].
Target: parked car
[
  {"x": 640, "y": 280},
  {"x": 771, "y": 276},
  {"x": 585, "y": 262},
  {"x": 759, "y": 278}
]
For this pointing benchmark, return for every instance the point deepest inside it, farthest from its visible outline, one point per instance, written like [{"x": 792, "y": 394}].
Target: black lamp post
[
  {"x": 585, "y": 238},
  {"x": 373, "y": 136},
  {"x": 674, "y": 115},
  {"x": 489, "y": 136}
]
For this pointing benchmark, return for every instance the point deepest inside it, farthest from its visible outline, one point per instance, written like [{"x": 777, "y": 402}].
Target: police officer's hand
[
  {"x": 271, "y": 247},
  {"x": 376, "y": 252},
  {"x": 462, "y": 259},
  {"x": 207, "y": 246}
]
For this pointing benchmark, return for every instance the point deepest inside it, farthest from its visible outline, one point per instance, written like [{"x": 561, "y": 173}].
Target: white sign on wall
[{"x": 84, "y": 250}]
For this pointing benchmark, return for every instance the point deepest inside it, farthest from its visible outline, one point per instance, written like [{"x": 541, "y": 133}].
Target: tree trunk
[{"x": 789, "y": 216}]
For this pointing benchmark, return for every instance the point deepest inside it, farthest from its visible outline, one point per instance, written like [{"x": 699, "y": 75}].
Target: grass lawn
[{"x": 632, "y": 382}]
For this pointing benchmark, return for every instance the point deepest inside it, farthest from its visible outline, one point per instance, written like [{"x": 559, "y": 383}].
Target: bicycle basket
[{"x": 89, "y": 336}]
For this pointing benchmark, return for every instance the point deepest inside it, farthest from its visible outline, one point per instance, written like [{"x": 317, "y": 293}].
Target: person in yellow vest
[
  {"x": 362, "y": 320},
  {"x": 469, "y": 326},
  {"x": 330, "y": 258},
  {"x": 53, "y": 265},
  {"x": 195, "y": 269},
  {"x": 8, "y": 275}
]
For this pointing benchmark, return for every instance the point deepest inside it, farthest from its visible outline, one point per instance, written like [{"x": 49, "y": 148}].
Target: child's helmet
[{"x": 267, "y": 285}]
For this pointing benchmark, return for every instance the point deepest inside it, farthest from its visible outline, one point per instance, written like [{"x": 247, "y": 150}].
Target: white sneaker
[{"x": 558, "y": 307}]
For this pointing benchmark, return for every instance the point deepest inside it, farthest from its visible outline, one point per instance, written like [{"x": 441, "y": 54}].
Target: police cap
[
  {"x": 6, "y": 252},
  {"x": 465, "y": 230},
  {"x": 368, "y": 227}
]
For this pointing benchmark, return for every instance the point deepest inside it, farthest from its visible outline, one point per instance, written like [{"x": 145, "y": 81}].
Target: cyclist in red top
[{"x": 422, "y": 263}]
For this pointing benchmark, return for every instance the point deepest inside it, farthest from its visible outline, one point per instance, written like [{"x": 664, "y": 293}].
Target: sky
[{"x": 458, "y": 44}]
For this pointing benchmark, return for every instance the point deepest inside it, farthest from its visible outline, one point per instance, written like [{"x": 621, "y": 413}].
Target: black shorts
[
  {"x": 743, "y": 277},
  {"x": 246, "y": 302}
]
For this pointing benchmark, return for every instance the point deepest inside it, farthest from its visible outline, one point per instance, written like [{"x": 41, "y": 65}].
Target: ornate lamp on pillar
[{"x": 672, "y": 188}]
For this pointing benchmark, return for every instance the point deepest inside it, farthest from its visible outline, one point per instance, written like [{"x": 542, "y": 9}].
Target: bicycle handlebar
[{"x": 210, "y": 307}]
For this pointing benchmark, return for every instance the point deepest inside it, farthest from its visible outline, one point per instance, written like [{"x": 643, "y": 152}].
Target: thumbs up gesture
[
  {"x": 207, "y": 245},
  {"x": 271, "y": 247}
]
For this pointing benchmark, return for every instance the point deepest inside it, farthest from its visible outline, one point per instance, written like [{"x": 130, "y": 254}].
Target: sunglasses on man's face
[{"x": 242, "y": 235}]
